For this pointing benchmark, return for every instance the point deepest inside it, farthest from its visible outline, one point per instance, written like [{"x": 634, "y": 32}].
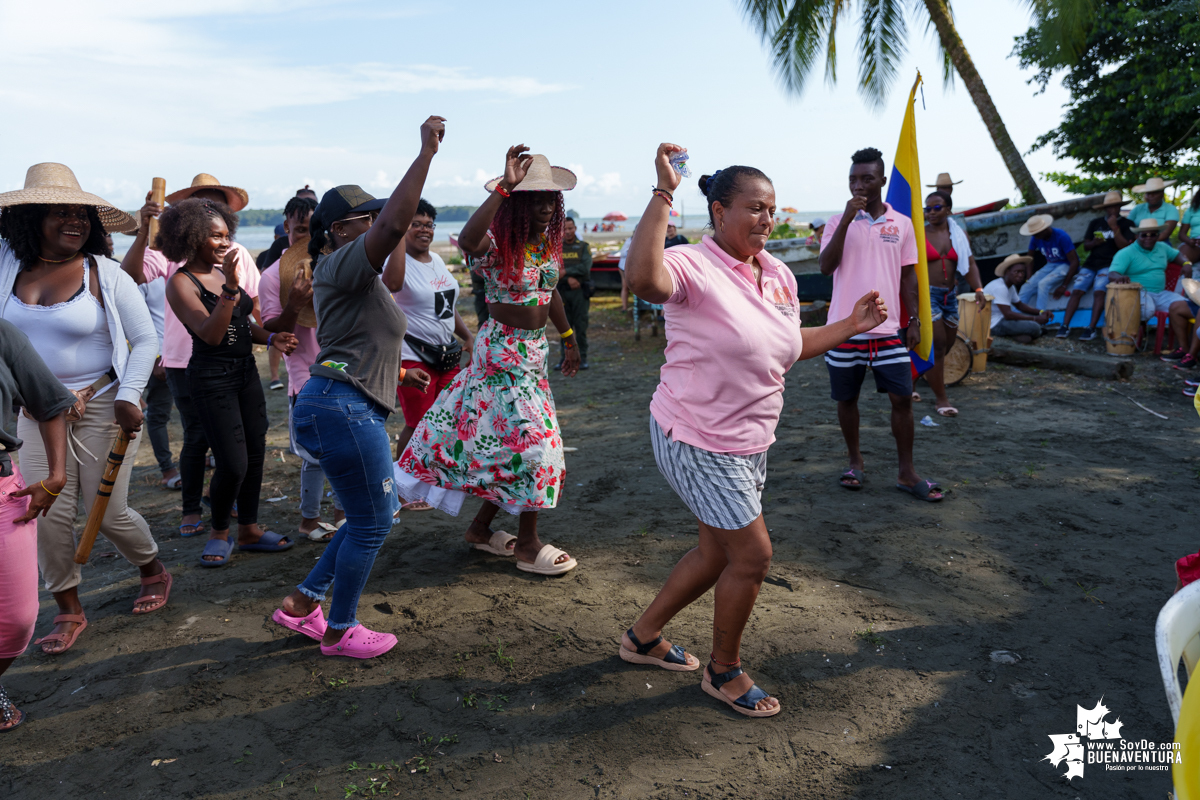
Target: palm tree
[{"x": 799, "y": 30}]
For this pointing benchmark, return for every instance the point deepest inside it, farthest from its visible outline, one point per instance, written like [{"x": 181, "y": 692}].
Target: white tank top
[{"x": 71, "y": 337}]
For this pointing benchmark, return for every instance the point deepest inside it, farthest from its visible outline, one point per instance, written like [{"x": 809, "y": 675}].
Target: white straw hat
[
  {"x": 53, "y": 184},
  {"x": 1155, "y": 184},
  {"x": 1036, "y": 224},
  {"x": 235, "y": 198},
  {"x": 541, "y": 177}
]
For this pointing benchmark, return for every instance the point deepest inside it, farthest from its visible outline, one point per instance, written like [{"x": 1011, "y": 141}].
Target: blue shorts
[
  {"x": 888, "y": 359},
  {"x": 1090, "y": 279},
  {"x": 945, "y": 305}
]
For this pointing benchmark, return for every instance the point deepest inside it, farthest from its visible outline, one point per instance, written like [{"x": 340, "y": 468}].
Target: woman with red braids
[{"x": 494, "y": 432}]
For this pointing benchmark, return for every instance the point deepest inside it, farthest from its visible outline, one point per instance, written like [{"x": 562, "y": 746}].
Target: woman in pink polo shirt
[{"x": 733, "y": 330}]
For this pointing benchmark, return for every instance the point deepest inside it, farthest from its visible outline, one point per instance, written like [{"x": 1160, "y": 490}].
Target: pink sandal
[
  {"x": 68, "y": 638},
  {"x": 360, "y": 642},
  {"x": 161, "y": 579},
  {"x": 312, "y": 626}
]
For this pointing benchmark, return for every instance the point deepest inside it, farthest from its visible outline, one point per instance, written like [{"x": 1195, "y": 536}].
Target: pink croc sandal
[
  {"x": 359, "y": 642},
  {"x": 312, "y": 626}
]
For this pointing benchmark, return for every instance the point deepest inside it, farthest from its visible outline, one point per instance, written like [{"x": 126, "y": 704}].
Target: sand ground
[{"x": 1067, "y": 506}]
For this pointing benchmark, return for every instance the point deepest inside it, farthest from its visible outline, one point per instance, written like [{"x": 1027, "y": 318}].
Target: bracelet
[
  {"x": 269, "y": 338},
  {"x": 47, "y": 491},
  {"x": 403, "y": 372},
  {"x": 500, "y": 190},
  {"x": 230, "y": 299},
  {"x": 712, "y": 657},
  {"x": 567, "y": 332},
  {"x": 568, "y": 345},
  {"x": 227, "y": 289},
  {"x": 665, "y": 195},
  {"x": 670, "y": 195}
]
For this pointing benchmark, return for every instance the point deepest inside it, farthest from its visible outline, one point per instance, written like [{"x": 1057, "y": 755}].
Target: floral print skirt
[{"x": 492, "y": 433}]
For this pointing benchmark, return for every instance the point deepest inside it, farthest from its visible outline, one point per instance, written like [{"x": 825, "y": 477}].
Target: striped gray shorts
[{"x": 722, "y": 490}]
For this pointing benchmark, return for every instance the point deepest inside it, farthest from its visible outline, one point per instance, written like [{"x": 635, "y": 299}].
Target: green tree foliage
[
  {"x": 1135, "y": 93},
  {"x": 455, "y": 213}
]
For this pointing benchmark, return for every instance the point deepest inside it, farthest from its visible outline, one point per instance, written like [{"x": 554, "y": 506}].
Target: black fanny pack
[{"x": 442, "y": 357}]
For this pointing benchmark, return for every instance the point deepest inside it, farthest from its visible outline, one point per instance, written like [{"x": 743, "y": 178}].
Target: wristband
[
  {"x": 403, "y": 372},
  {"x": 567, "y": 332},
  {"x": 568, "y": 345},
  {"x": 665, "y": 195},
  {"x": 269, "y": 338},
  {"x": 500, "y": 190},
  {"x": 47, "y": 491},
  {"x": 669, "y": 195},
  {"x": 227, "y": 289},
  {"x": 230, "y": 299}
]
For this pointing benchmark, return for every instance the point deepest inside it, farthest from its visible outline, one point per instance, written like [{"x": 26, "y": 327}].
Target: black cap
[{"x": 340, "y": 201}]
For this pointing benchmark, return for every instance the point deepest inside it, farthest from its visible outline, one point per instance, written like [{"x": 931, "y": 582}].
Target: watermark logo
[{"x": 1097, "y": 740}]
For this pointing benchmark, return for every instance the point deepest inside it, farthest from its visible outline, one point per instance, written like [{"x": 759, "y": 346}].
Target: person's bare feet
[
  {"x": 298, "y": 604},
  {"x": 912, "y": 479},
  {"x": 169, "y": 475},
  {"x": 190, "y": 521},
  {"x": 529, "y": 552},
  {"x": 478, "y": 533},
  {"x": 739, "y": 686}
]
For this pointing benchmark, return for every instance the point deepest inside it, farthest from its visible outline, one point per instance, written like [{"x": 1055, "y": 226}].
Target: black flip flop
[
  {"x": 856, "y": 474},
  {"x": 922, "y": 491}
]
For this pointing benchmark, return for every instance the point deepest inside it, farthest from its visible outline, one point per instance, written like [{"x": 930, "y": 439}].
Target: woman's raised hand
[
  {"x": 229, "y": 266},
  {"x": 516, "y": 164},
  {"x": 433, "y": 130},
  {"x": 869, "y": 312},
  {"x": 668, "y": 178},
  {"x": 151, "y": 209}
]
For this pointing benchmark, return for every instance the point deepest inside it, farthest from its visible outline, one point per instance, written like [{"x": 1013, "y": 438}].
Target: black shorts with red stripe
[{"x": 888, "y": 359}]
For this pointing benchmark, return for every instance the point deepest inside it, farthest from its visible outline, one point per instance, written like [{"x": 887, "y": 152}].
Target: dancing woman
[
  {"x": 945, "y": 265},
  {"x": 90, "y": 325},
  {"x": 733, "y": 330},
  {"x": 340, "y": 414},
  {"x": 222, "y": 374},
  {"x": 494, "y": 432}
]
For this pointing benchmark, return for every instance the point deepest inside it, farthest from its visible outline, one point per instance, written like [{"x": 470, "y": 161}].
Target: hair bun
[{"x": 704, "y": 179}]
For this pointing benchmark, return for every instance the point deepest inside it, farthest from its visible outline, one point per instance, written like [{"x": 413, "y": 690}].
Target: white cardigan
[{"x": 128, "y": 321}]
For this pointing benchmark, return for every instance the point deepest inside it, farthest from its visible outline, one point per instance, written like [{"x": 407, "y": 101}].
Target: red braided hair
[{"x": 511, "y": 227}]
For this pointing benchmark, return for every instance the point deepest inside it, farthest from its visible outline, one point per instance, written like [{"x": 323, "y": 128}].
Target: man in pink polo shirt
[
  {"x": 871, "y": 246},
  {"x": 145, "y": 264}
]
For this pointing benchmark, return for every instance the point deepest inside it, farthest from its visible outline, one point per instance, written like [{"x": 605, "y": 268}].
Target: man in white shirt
[{"x": 1011, "y": 317}]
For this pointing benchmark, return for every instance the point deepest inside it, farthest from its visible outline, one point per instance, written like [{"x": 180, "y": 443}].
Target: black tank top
[{"x": 237, "y": 342}]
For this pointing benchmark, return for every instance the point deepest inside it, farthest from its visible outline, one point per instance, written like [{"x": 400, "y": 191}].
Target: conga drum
[
  {"x": 1122, "y": 318},
  {"x": 957, "y": 364},
  {"x": 976, "y": 325}
]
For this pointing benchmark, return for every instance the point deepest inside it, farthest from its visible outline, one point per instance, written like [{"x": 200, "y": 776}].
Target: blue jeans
[
  {"x": 345, "y": 430},
  {"x": 1036, "y": 291}
]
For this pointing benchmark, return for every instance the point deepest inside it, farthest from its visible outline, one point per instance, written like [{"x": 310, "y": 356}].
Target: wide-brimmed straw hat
[
  {"x": 1112, "y": 199},
  {"x": 1015, "y": 258},
  {"x": 541, "y": 177},
  {"x": 1036, "y": 224},
  {"x": 293, "y": 260},
  {"x": 943, "y": 179},
  {"x": 235, "y": 198},
  {"x": 52, "y": 184},
  {"x": 1155, "y": 184},
  {"x": 1148, "y": 224}
]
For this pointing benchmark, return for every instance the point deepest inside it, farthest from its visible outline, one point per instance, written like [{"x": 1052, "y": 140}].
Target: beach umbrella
[
  {"x": 615, "y": 216},
  {"x": 673, "y": 215},
  {"x": 789, "y": 210}
]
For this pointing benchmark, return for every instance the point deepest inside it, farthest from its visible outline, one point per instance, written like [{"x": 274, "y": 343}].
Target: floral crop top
[{"x": 534, "y": 287}]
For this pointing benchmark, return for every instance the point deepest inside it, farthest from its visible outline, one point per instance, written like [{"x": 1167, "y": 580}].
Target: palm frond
[
  {"x": 948, "y": 70},
  {"x": 797, "y": 32},
  {"x": 1066, "y": 24},
  {"x": 882, "y": 45}
]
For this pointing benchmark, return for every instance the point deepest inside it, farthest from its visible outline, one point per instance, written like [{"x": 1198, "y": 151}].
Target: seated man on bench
[{"x": 1146, "y": 263}]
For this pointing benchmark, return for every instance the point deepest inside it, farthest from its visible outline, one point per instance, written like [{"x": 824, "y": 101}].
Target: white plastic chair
[{"x": 1177, "y": 635}]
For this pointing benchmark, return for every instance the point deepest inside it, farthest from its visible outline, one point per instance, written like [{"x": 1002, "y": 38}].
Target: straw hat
[
  {"x": 1015, "y": 258},
  {"x": 1148, "y": 224},
  {"x": 541, "y": 177},
  {"x": 1036, "y": 224},
  {"x": 293, "y": 260},
  {"x": 943, "y": 179},
  {"x": 235, "y": 198},
  {"x": 1155, "y": 184},
  {"x": 52, "y": 183},
  {"x": 1112, "y": 199},
  {"x": 1191, "y": 288}
]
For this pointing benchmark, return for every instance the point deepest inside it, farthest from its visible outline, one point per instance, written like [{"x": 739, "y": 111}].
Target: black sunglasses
[{"x": 938, "y": 207}]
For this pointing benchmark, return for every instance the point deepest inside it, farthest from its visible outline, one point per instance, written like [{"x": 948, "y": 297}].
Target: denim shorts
[
  {"x": 1092, "y": 279},
  {"x": 945, "y": 305}
]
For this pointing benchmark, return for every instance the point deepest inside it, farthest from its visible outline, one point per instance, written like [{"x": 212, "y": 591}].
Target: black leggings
[
  {"x": 228, "y": 398},
  {"x": 194, "y": 451}
]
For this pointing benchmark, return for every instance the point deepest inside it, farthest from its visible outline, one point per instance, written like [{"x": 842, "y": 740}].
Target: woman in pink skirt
[{"x": 25, "y": 381}]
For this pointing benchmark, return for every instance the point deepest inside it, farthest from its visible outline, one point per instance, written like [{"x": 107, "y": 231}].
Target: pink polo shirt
[
  {"x": 728, "y": 346},
  {"x": 177, "y": 342},
  {"x": 305, "y": 355},
  {"x": 874, "y": 252}
]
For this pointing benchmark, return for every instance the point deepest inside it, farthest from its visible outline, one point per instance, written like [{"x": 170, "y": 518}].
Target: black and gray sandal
[
  {"x": 747, "y": 703},
  {"x": 9, "y": 712},
  {"x": 675, "y": 659}
]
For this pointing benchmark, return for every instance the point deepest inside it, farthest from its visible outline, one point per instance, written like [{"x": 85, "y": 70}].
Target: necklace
[{"x": 63, "y": 261}]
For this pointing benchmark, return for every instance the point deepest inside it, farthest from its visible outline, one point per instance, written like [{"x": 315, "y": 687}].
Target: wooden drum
[
  {"x": 975, "y": 326},
  {"x": 1122, "y": 318},
  {"x": 957, "y": 364}
]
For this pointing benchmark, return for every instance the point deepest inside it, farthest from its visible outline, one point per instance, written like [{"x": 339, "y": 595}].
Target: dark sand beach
[{"x": 875, "y": 628}]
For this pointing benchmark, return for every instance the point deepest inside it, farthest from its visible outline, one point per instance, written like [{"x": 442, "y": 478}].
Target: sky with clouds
[{"x": 271, "y": 95}]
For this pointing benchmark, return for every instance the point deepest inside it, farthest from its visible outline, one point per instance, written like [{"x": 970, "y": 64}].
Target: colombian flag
[{"x": 904, "y": 195}]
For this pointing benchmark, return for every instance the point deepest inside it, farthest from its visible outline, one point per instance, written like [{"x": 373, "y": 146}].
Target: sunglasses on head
[{"x": 936, "y": 207}]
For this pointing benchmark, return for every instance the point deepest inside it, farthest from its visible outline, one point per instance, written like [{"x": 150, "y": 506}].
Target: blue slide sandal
[
  {"x": 269, "y": 542},
  {"x": 217, "y": 547}
]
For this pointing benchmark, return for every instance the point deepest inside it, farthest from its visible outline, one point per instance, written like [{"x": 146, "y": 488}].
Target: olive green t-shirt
[{"x": 359, "y": 325}]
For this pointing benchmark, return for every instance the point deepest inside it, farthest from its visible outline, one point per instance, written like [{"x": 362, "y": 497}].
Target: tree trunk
[
  {"x": 1023, "y": 355},
  {"x": 953, "y": 44}
]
